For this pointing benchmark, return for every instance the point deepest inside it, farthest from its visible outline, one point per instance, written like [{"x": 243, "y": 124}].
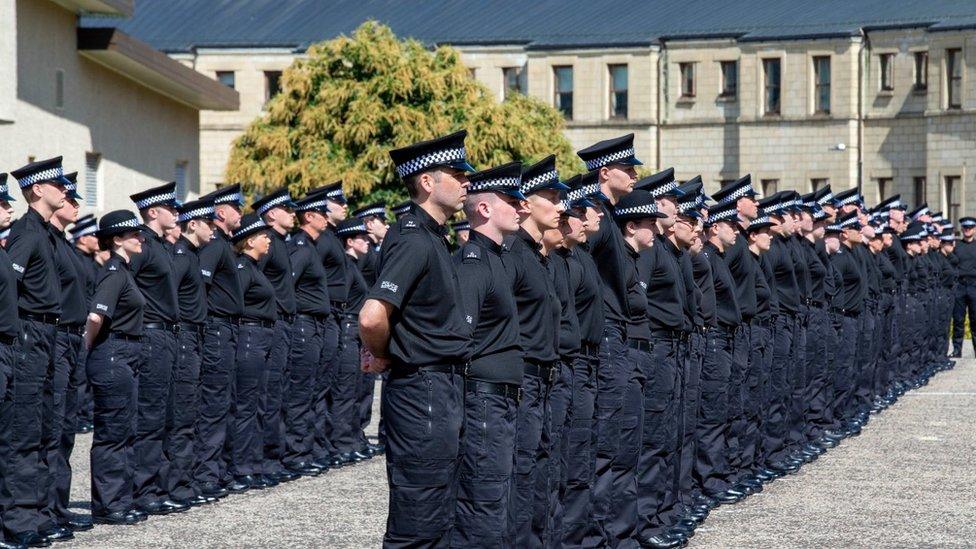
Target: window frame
[
  {"x": 520, "y": 83},
  {"x": 233, "y": 78},
  {"x": 268, "y": 96},
  {"x": 953, "y": 59},
  {"x": 886, "y": 72},
  {"x": 764, "y": 183},
  {"x": 885, "y": 186},
  {"x": 724, "y": 92},
  {"x": 920, "y": 183},
  {"x": 690, "y": 91},
  {"x": 818, "y": 108},
  {"x": 952, "y": 186},
  {"x": 613, "y": 99},
  {"x": 767, "y": 62},
  {"x": 566, "y": 110},
  {"x": 921, "y": 77}
]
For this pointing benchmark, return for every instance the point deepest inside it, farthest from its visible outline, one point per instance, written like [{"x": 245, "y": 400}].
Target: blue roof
[{"x": 182, "y": 25}]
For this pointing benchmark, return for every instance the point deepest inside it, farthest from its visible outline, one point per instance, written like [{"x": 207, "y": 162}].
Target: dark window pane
[
  {"x": 886, "y": 61},
  {"x": 954, "y": 77},
  {"x": 272, "y": 84},
  {"x": 921, "y": 70},
  {"x": 772, "y": 84},
  {"x": 563, "y": 99},
  {"x": 618, "y": 91},
  {"x": 687, "y": 79},
  {"x": 821, "y": 66},
  {"x": 226, "y": 78},
  {"x": 730, "y": 78}
]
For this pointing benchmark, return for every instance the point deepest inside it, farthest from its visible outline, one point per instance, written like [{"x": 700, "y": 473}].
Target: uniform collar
[
  {"x": 485, "y": 242},
  {"x": 427, "y": 221},
  {"x": 630, "y": 250},
  {"x": 116, "y": 259},
  {"x": 668, "y": 245},
  {"x": 34, "y": 217},
  {"x": 186, "y": 242},
  {"x": 529, "y": 241}
]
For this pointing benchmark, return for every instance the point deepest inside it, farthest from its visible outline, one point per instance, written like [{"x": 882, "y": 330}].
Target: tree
[{"x": 353, "y": 99}]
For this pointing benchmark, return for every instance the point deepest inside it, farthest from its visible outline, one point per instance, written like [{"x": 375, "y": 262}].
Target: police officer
[
  {"x": 411, "y": 325},
  {"x": 494, "y": 380},
  {"x": 114, "y": 338},
  {"x": 615, "y": 164},
  {"x": 277, "y": 211},
  {"x": 402, "y": 208},
  {"x": 23, "y": 434},
  {"x": 462, "y": 229},
  {"x": 86, "y": 247},
  {"x": 195, "y": 219},
  {"x": 313, "y": 312},
  {"x": 68, "y": 358},
  {"x": 225, "y": 304},
  {"x": 965, "y": 294},
  {"x": 254, "y": 342},
  {"x": 153, "y": 273}
]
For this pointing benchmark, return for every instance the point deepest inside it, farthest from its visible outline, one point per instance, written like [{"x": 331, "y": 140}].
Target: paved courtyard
[{"x": 907, "y": 481}]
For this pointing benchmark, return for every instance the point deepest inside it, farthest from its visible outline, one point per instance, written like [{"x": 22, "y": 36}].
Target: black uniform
[
  {"x": 255, "y": 339},
  {"x": 847, "y": 306},
  {"x": 964, "y": 302},
  {"x": 333, "y": 258},
  {"x": 9, "y": 331},
  {"x": 347, "y": 434},
  {"x": 225, "y": 305},
  {"x": 112, "y": 361},
  {"x": 429, "y": 345},
  {"x": 784, "y": 286},
  {"x": 494, "y": 379}
]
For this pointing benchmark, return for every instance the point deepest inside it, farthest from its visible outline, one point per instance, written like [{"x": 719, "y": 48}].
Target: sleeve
[
  {"x": 107, "y": 294},
  {"x": 474, "y": 289},
  {"x": 209, "y": 260},
  {"x": 20, "y": 248},
  {"x": 404, "y": 263}
]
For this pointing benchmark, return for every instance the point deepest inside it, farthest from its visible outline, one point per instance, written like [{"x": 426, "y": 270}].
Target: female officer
[
  {"x": 112, "y": 336},
  {"x": 253, "y": 349}
]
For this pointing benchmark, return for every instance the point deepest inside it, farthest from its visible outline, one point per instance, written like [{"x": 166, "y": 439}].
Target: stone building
[
  {"x": 123, "y": 115},
  {"x": 870, "y": 93}
]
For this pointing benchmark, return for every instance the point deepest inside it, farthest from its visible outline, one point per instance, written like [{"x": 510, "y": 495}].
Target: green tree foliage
[{"x": 353, "y": 99}]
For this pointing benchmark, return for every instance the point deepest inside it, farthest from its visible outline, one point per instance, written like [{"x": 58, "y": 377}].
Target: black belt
[
  {"x": 76, "y": 329},
  {"x": 124, "y": 337},
  {"x": 41, "y": 317},
  {"x": 590, "y": 350},
  {"x": 167, "y": 326},
  {"x": 815, "y": 303},
  {"x": 225, "y": 318},
  {"x": 286, "y": 317},
  {"x": 639, "y": 344},
  {"x": 513, "y": 392},
  {"x": 669, "y": 334},
  {"x": 258, "y": 323},
  {"x": 8, "y": 339},
  {"x": 338, "y": 306},
  {"x": 847, "y": 313},
  {"x": 305, "y": 316},
  {"x": 400, "y": 369},
  {"x": 190, "y": 327},
  {"x": 545, "y": 371}
]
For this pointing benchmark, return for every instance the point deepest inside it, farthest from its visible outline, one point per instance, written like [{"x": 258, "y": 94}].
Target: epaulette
[
  {"x": 471, "y": 252},
  {"x": 240, "y": 265},
  {"x": 507, "y": 243},
  {"x": 408, "y": 225}
]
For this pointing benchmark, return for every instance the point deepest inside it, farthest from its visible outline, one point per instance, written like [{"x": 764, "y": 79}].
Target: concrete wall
[{"x": 139, "y": 134}]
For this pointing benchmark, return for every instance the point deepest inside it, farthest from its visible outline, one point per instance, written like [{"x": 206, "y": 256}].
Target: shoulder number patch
[{"x": 387, "y": 285}]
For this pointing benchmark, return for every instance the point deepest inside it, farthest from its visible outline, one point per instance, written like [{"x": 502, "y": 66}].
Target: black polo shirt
[
  {"x": 801, "y": 268},
  {"x": 704, "y": 281},
  {"x": 727, "y": 313},
  {"x": 118, "y": 299},
  {"x": 9, "y": 321},
  {"x": 965, "y": 254},
  {"x": 535, "y": 296},
  {"x": 334, "y": 259},
  {"x": 693, "y": 316},
  {"x": 489, "y": 306},
  {"x": 367, "y": 265},
  {"x": 31, "y": 250},
  {"x": 276, "y": 265},
  {"x": 617, "y": 271},
  {"x": 851, "y": 298},
  {"x": 417, "y": 276},
  {"x": 74, "y": 281},
  {"x": 784, "y": 284},
  {"x": 765, "y": 307},
  {"x": 666, "y": 292},
  {"x": 566, "y": 281},
  {"x": 190, "y": 289},
  {"x": 589, "y": 297},
  {"x": 869, "y": 269},
  {"x": 744, "y": 272},
  {"x": 638, "y": 327},
  {"x": 153, "y": 272},
  {"x": 356, "y": 287},
  {"x": 766, "y": 273},
  {"x": 899, "y": 258},
  {"x": 91, "y": 268},
  {"x": 886, "y": 268},
  {"x": 218, "y": 265},
  {"x": 817, "y": 270},
  {"x": 311, "y": 282},
  {"x": 259, "y": 294}
]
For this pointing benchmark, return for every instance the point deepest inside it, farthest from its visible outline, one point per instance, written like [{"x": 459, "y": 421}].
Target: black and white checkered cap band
[
  {"x": 134, "y": 223},
  {"x": 539, "y": 181},
  {"x": 758, "y": 220},
  {"x": 336, "y": 193},
  {"x": 256, "y": 225},
  {"x": 607, "y": 159},
  {"x": 894, "y": 204},
  {"x": 884, "y": 214},
  {"x": 312, "y": 205},
  {"x": 272, "y": 203},
  {"x": 854, "y": 198},
  {"x": 156, "y": 199},
  {"x": 967, "y": 223},
  {"x": 946, "y": 225},
  {"x": 666, "y": 188},
  {"x": 199, "y": 212},
  {"x": 834, "y": 228},
  {"x": 360, "y": 228},
  {"x": 724, "y": 215},
  {"x": 431, "y": 159},
  {"x": 378, "y": 211},
  {"x": 737, "y": 194},
  {"x": 229, "y": 199},
  {"x": 685, "y": 207},
  {"x": 401, "y": 210},
  {"x": 643, "y": 209},
  {"x": 43, "y": 175},
  {"x": 819, "y": 214},
  {"x": 583, "y": 192},
  {"x": 947, "y": 237},
  {"x": 825, "y": 199},
  {"x": 847, "y": 223},
  {"x": 87, "y": 230},
  {"x": 923, "y": 211},
  {"x": 491, "y": 184}
]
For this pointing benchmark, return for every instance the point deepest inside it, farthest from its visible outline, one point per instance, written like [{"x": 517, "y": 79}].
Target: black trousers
[
  {"x": 819, "y": 384},
  {"x": 346, "y": 429},
  {"x": 579, "y": 453},
  {"x": 181, "y": 418},
  {"x": 154, "y": 381},
  {"x": 739, "y": 453},
  {"x": 67, "y": 362},
  {"x": 322, "y": 420},
  {"x": 111, "y": 372},
  {"x": 560, "y": 403},
  {"x": 424, "y": 413},
  {"x": 528, "y": 512},
  {"x": 246, "y": 438},
  {"x": 25, "y": 432},
  {"x": 218, "y": 368},
  {"x": 7, "y": 357},
  {"x": 270, "y": 418},
  {"x": 299, "y": 391},
  {"x": 711, "y": 459},
  {"x": 688, "y": 487},
  {"x": 776, "y": 428}
]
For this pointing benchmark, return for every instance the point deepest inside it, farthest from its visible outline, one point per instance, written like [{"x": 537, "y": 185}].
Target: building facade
[{"x": 123, "y": 115}]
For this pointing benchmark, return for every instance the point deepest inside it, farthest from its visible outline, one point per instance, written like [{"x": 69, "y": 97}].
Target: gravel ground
[{"x": 907, "y": 481}]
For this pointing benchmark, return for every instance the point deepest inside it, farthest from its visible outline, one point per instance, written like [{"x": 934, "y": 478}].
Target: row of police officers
[
  {"x": 216, "y": 352},
  {"x": 600, "y": 361}
]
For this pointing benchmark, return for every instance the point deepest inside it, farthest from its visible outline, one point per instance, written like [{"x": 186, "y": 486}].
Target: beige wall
[{"x": 139, "y": 134}]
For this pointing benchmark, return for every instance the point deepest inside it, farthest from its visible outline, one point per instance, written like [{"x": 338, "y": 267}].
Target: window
[
  {"x": 59, "y": 89},
  {"x": 886, "y": 62},
  {"x": 563, "y": 97},
  {"x": 514, "y": 80},
  {"x": 821, "y": 76},
  {"x": 884, "y": 188},
  {"x": 687, "y": 79},
  {"x": 226, "y": 78},
  {"x": 730, "y": 78},
  {"x": 771, "y": 85},
  {"x": 472, "y": 73},
  {"x": 818, "y": 183},
  {"x": 921, "y": 70},
  {"x": 769, "y": 186},
  {"x": 272, "y": 84},
  {"x": 179, "y": 176},
  {"x": 920, "y": 191},
  {"x": 952, "y": 192},
  {"x": 92, "y": 163},
  {"x": 954, "y": 77},
  {"x": 618, "y": 91}
]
